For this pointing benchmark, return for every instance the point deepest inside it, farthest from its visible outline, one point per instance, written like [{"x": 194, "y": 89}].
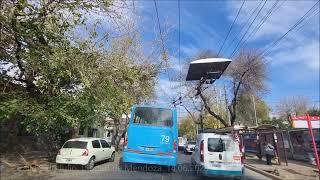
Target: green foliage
[
  {"x": 187, "y": 128},
  {"x": 279, "y": 123},
  {"x": 246, "y": 110},
  {"x": 211, "y": 123},
  {"x": 62, "y": 82}
]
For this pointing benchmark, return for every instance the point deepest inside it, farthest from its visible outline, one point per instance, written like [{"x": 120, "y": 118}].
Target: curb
[{"x": 269, "y": 175}]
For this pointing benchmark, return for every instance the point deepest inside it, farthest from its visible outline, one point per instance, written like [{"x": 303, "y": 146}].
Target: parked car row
[{"x": 85, "y": 151}]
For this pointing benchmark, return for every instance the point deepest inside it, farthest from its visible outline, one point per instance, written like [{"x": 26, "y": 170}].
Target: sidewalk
[{"x": 294, "y": 170}]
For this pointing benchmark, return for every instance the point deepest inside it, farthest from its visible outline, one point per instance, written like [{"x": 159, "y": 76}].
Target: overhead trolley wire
[
  {"x": 244, "y": 24},
  {"x": 233, "y": 53},
  {"x": 276, "y": 42},
  {"x": 309, "y": 18},
  {"x": 235, "y": 19},
  {"x": 160, "y": 31},
  {"x": 178, "y": 100},
  {"x": 162, "y": 43},
  {"x": 263, "y": 20},
  {"x": 179, "y": 47}
]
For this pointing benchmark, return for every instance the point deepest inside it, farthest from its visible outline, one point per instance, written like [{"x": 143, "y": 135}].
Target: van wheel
[
  {"x": 112, "y": 157},
  {"x": 90, "y": 164}
]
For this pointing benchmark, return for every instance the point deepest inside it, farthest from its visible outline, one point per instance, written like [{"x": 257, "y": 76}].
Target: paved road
[{"x": 110, "y": 170}]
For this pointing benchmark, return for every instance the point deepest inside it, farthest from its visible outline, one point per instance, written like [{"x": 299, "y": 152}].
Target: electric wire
[
  {"x": 276, "y": 42},
  {"x": 233, "y": 53},
  {"x": 259, "y": 25},
  {"x": 235, "y": 19},
  {"x": 243, "y": 25}
]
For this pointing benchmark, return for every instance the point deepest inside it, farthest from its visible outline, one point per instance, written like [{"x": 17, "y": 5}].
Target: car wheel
[
  {"x": 112, "y": 157},
  {"x": 90, "y": 164}
]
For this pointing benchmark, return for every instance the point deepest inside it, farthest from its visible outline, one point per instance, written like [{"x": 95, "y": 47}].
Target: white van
[
  {"x": 217, "y": 155},
  {"x": 182, "y": 142}
]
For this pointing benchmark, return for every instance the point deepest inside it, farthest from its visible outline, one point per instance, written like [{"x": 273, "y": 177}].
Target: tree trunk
[
  {"x": 120, "y": 135},
  {"x": 114, "y": 134},
  {"x": 74, "y": 132}
]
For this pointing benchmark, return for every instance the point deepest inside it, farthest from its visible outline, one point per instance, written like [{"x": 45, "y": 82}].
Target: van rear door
[{"x": 223, "y": 153}]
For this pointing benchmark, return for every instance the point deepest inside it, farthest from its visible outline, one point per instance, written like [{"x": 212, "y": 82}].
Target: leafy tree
[
  {"x": 246, "y": 114},
  {"x": 279, "y": 123},
  {"x": 211, "y": 123},
  {"x": 187, "y": 128},
  {"x": 52, "y": 81}
]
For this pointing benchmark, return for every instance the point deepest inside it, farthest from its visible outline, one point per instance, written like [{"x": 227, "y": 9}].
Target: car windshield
[
  {"x": 75, "y": 144},
  {"x": 220, "y": 145},
  {"x": 153, "y": 116}
]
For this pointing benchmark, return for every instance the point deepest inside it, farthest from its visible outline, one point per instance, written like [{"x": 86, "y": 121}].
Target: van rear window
[
  {"x": 153, "y": 116},
  {"x": 75, "y": 144},
  {"x": 220, "y": 145}
]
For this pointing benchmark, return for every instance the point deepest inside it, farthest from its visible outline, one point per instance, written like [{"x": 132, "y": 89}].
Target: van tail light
[
  {"x": 201, "y": 151},
  {"x": 85, "y": 153},
  {"x": 175, "y": 146},
  {"x": 242, "y": 153}
]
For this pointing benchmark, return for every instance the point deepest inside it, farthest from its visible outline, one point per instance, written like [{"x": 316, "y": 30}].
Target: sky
[{"x": 293, "y": 64}]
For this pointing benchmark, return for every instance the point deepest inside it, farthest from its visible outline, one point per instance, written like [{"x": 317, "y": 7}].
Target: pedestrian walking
[{"x": 269, "y": 149}]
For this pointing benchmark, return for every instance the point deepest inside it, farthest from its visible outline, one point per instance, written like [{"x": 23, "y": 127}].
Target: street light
[{"x": 207, "y": 70}]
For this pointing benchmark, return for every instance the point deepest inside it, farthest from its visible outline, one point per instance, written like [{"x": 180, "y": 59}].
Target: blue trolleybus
[{"x": 152, "y": 137}]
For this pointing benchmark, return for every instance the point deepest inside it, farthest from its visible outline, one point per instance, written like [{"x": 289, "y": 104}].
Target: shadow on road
[{"x": 79, "y": 167}]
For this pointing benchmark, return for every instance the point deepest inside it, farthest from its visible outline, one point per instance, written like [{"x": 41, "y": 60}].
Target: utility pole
[
  {"x": 226, "y": 101},
  {"x": 254, "y": 108}
]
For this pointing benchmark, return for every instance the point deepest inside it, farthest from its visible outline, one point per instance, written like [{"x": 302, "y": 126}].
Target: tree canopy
[{"x": 52, "y": 80}]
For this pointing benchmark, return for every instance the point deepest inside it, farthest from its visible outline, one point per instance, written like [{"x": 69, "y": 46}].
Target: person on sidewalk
[{"x": 269, "y": 149}]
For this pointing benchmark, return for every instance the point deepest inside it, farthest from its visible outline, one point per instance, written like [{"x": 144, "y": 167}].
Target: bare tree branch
[{"x": 210, "y": 111}]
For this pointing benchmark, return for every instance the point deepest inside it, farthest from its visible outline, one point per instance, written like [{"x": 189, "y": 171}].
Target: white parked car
[
  {"x": 217, "y": 155},
  {"x": 85, "y": 151},
  {"x": 189, "y": 147}
]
